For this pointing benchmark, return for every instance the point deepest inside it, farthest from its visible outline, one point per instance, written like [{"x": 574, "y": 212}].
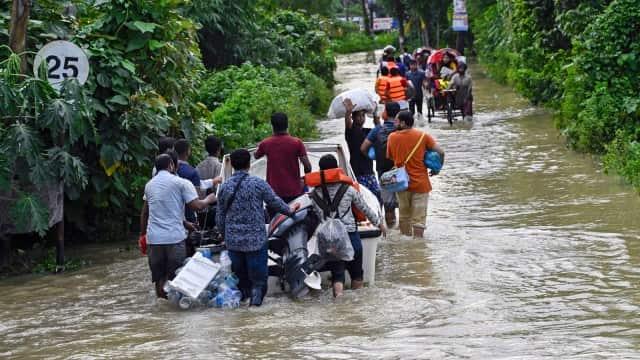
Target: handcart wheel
[
  {"x": 450, "y": 109},
  {"x": 431, "y": 108}
]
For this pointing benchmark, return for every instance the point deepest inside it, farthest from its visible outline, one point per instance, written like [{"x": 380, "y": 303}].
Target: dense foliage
[
  {"x": 98, "y": 139},
  {"x": 580, "y": 58},
  {"x": 147, "y": 79},
  {"x": 359, "y": 41},
  {"x": 243, "y": 99},
  {"x": 232, "y": 34}
]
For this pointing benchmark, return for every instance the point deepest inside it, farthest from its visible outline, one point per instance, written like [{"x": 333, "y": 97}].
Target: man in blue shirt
[
  {"x": 188, "y": 172},
  {"x": 162, "y": 220},
  {"x": 378, "y": 138},
  {"x": 240, "y": 218},
  {"x": 417, "y": 78}
]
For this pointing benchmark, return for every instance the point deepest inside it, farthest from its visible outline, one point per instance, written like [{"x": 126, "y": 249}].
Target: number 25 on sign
[{"x": 63, "y": 60}]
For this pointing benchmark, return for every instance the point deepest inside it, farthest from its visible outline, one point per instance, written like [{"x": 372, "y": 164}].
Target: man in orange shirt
[{"x": 413, "y": 202}]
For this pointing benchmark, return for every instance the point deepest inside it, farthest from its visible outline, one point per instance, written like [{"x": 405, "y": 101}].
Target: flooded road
[{"x": 531, "y": 252}]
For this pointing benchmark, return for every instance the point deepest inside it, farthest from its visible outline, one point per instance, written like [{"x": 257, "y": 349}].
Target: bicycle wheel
[{"x": 450, "y": 110}]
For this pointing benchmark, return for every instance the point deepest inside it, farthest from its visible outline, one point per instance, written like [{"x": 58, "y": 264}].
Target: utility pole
[
  {"x": 345, "y": 6},
  {"x": 400, "y": 13},
  {"x": 365, "y": 17}
]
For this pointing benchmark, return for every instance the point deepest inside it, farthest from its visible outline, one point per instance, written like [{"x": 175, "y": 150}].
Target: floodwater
[{"x": 531, "y": 252}]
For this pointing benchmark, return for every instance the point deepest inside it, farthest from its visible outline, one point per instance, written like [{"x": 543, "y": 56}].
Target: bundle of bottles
[{"x": 222, "y": 291}]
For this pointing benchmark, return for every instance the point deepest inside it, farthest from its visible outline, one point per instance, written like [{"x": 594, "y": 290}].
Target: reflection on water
[{"x": 531, "y": 252}]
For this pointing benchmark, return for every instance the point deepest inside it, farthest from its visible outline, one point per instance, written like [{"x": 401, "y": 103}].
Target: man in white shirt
[{"x": 163, "y": 220}]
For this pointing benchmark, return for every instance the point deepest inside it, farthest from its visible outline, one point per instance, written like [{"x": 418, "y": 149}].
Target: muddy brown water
[{"x": 531, "y": 252}]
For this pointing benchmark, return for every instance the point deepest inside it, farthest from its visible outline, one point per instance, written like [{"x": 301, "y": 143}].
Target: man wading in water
[
  {"x": 401, "y": 144},
  {"x": 162, "y": 221},
  {"x": 378, "y": 139},
  {"x": 355, "y": 134},
  {"x": 240, "y": 218}
]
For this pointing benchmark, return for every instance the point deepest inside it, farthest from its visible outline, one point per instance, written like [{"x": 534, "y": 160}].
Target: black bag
[{"x": 383, "y": 164}]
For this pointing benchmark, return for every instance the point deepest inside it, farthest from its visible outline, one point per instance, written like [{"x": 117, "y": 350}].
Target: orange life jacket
[
  {"x": 381, "y": 86},
  {"x": 333, "y": 176},
  {"x": 396, "y": 90}
]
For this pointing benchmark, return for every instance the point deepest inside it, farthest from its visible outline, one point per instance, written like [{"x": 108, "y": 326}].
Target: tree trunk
[
  {"x": 5, "y": 251},
  {"x": 365, "y": 17},
  {"x": 425, "y": 36},
  {"x": 437, "y": 45},
  {"x": 400, "y": 15},
  {"x": 18, "y": 29},
  {"x": 60, "y": 246},
  {"x": 345, "y": 5}
]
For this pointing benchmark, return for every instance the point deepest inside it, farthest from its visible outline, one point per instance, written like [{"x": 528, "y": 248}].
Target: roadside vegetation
[
  {"x": 174, "y": 67},
  {"x": 347, "y": 38},
  {"x": 578, "y": 58}
]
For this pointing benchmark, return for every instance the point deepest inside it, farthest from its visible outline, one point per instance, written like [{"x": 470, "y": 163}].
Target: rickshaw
[{"x": 438, "y": 96}]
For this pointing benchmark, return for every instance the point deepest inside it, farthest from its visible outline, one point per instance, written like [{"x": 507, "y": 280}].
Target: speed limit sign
[{"x": 64, "y": 60}]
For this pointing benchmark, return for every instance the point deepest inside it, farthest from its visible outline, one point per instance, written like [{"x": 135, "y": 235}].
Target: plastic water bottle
[
  {"x": 212, "y": 303},
  {"x": 166, "y": 287},
  {"x": 204, "y": 297},
  {"x": 232, "y": 281},
  {"x": 219, "y": 300},
  {"x": 174, "y": 297},
  {"x": 225, "y": 263},
  {"x": 186, "y": 303},
  {"x": 233, "y": 301},
  {"x": 206, "y": 252}
]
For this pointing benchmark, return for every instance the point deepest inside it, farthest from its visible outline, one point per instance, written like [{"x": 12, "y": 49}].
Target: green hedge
[
  {"x": 578, "y": 59},
  {"x": 358, "y": 41},
  {"x": 243, "y": 99}
]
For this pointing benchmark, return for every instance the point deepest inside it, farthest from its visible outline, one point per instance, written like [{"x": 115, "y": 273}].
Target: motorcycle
[{"x": 296, "y": 270}]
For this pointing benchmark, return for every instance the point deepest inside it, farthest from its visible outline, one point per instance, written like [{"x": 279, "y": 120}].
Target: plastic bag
[
  {"x": 361, "y": 98},
  {"x": 333, "y": 240},
  {"x": 432, "y": 161},
  {"x": 142, "y": 244}
]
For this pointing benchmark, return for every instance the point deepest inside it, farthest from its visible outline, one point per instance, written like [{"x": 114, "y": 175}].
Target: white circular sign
[{"x": 64, "y": 60}]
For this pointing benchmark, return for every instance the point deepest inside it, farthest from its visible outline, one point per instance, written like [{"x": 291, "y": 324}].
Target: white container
[
  {"x": 195, "y": 276},
  {"x": 369, "y": 249}
]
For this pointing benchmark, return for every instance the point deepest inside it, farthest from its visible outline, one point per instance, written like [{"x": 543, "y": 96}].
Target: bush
[
  {"x": 600, "y": 111},
  {"x": 144, "y": 70},
  {"x": 623, "y": 157},
  {"x": 243, "y": 99},
  {"x": 359, "y": 41},
  {"x": 292, "y": 39},
  {"x": 578, "y": 57}
]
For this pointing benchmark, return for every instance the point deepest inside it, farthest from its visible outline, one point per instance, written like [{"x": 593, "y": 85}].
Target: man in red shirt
[{"x": 284, "y": 154}]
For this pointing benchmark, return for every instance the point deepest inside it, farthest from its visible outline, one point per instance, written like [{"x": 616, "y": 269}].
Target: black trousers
[{"x": 416, "y": 102}]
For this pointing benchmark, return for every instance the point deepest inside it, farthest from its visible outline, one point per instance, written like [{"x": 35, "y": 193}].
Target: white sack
[{"x": 361, "y": 98}]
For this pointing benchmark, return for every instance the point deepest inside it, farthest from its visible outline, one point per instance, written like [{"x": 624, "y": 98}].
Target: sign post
[
  {"x": 63, "y": 60},
  {"x": 460, "y": 23},
  {"x": 380, "y": 24}
]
